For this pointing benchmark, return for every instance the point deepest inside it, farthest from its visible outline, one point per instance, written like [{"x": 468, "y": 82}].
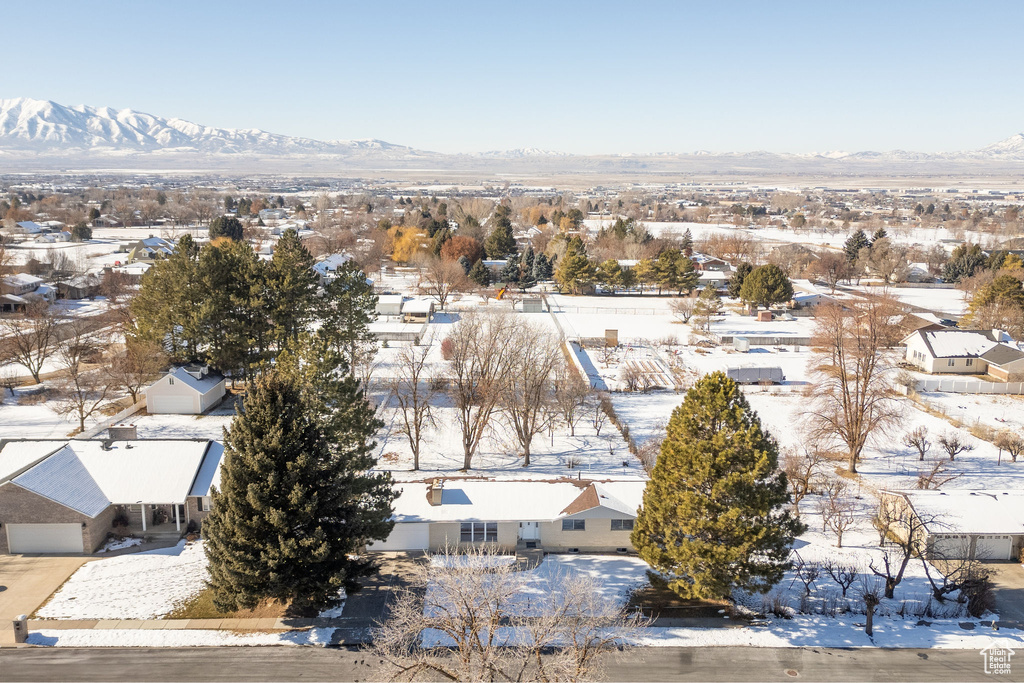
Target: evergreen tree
[
  {"x": 292, "y": 286},
  {"x": 226, "y": 226},
  {"x": 666, "y": 268},
  {"x": 347, "y": 307},
  {"x": 879, "y": 234},
  {"x": 480, "y": 274},
  {"x": 737, "y": 278},
  {"x": 166, "y": 309},
  {"x": 707, "y": 306},
  {"x": 526, "y": 261},
  {"x": 609, "y": 275},
  {"x": 500, "y": 243},
  {"x": 645, "y": 273},
  {"x": 963, "y": 262},
  {"x": 510, "y": 273},
  {"x": 81, "y": 232},
  {"x": 293, "y": 509},
  {"x": 686, "y": 243},
  {"x": 575, "y": 272},
  {"x": 715, "y": 512},
  {"x": 687, "y": 277},
  {"x": 541, "y": 267},
  {"x": 464, "y": 263},
  {"x": 854, "y": 243},
  {"x": 766, "y": 285}
]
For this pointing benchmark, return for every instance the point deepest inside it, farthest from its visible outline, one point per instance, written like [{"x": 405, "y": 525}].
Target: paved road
[{"x": 642, "y": 664}]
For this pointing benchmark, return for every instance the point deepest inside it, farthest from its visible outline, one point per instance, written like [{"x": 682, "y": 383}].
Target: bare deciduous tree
[
  {"x": 838, "y": 511},
  {"x": 28, "y": 339},
  {"x": 80, "y": 390},
  {"x": 1011, "y": 442},
  {"x": 917, "y": 439},
  {"x": 802, "y": 468},
  {"x": 843, "y": 574},
  {"x": 570, "y": 396},
  {"x": 527, "y": 396},
  {"x": 682, "y": 308},
  {"x": 481, "y": 349},
  {"x": 468, "y": 617},
  {"x": 137, "y": 366},
  {"x": 936, "y": 475},
  {"x": 905, "y": 532},
  {"x": 441, "y": 279},
  {"x": 853, "y": 399},
  {"x": 413, "y": 390},
  {"x": 954, "y": 444}
]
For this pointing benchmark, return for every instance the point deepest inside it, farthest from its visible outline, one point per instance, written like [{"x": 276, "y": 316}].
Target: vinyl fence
[{"x": 970, "y": 386}]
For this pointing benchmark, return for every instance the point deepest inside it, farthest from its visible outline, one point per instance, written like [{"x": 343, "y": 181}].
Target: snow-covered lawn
[
  {"x": 942, "y": 301},
  {"x": 147, "y": 585},
  {"x": 25, "y": 416},
  {"x": 210, "y": 426}
]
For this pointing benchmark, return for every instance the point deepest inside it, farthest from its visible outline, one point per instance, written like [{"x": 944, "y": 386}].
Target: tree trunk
[
  {"x": 526, "y": 456},
  {"x": 871, "y": 615}
]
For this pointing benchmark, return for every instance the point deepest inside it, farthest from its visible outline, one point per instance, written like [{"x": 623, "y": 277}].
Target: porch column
[
  {"x": 143, "y": 508},
  {"x": 177, "y": 519}
]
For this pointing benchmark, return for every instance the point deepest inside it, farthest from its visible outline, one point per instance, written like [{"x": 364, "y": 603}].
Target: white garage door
[
  {"x": 405, "y": 537},
  {"x": 44, "y": 538},
  {"x": 993, "y": 548},
  {"x": 175, "y": 405},
  {"x": 950, "y": 547}
]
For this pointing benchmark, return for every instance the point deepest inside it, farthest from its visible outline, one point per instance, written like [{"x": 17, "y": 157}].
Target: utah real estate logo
[{"x": 997, "y": 660}]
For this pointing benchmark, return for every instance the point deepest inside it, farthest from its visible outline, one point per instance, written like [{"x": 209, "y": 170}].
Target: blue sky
[{"x": 584, "y": 77}]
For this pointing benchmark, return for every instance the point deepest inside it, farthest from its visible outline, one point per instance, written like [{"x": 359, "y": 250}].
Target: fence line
[
  {"x": 970, "y": 386},
  {"x": 113, "y": 420}
]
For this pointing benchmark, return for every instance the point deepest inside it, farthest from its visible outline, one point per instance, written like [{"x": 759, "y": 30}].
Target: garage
[
  {"x": 44, "y": 538},
  {"x": 174, "y": 405},
  {"x": 405, "y": 537},
  {"x": 993, "y": 547}
]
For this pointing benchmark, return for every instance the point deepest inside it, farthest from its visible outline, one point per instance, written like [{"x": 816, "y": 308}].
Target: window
[
  {"x": 970, "y": 362},
  {"x": 170, "y": 381},
  {"x": 478, "y": 532},
  {"x": 205, "y": 507},
  {"x": 574, "y": 525},
  {"x": 622, "y": 525},
  {"x": 951, "y": 362}
]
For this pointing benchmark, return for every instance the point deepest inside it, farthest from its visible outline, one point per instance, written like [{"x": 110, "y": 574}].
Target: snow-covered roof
[
  {"x": 508, "y": 501},
  {"x": 389, "y": 299},
  {"x": 209, "y": 473},
  {"x": 17, "y": 455},
  {"x": 23, "y": 279},
  {"x": 418, "y": 306},
  {"x": 85, "y": 476},
  {"x": 202, "y": 384},
  {"x": 331, "y": 263},
  {"x": 957, "y": 343},
  {"x": 969, "y": 512}
]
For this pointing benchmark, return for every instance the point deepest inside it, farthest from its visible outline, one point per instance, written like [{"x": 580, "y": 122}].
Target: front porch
[{"x": 154, "y": 520}]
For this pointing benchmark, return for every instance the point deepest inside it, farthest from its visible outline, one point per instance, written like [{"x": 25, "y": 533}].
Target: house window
[
  {"x": 478, "y": 532},
  {"x": 951, "y": 362},
  {"x": 170, "y": 380},
  {"x": 574, "y": 525},
  {"x": 970, "y": 362},
  {"x": 622, "y": 525},
  {"x": 205, "y": 505}
]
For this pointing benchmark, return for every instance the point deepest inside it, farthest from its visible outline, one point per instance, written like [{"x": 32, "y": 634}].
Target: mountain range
[{"x": 38, "y": 134}]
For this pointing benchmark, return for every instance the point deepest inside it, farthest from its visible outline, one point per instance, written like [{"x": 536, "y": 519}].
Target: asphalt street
[{"x": 641, "y": 664}]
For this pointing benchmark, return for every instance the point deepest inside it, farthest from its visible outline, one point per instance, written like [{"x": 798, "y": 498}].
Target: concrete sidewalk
[{"x": 268, "y": 624}]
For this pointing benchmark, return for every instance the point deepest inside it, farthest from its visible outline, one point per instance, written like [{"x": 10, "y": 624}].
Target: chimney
[
  {"x": 436, "y": 491},
  {"x": 122, "y": 432}
]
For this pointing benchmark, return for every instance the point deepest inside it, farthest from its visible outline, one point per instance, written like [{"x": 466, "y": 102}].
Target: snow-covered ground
[
  {"x": 942, "y": 301},
  {"x": 145, "y": 585},
  {"x": 26, "y": 416}
]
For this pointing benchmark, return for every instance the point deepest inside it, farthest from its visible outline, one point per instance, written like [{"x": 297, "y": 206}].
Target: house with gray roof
[
  {"x": 186, "y": 390},
  {"x": 61, "y": 496},
  {"x": 965, "y": 352}
]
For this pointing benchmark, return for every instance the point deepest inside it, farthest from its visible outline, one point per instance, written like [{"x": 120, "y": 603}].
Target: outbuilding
[{"x": 186, "y": 390}]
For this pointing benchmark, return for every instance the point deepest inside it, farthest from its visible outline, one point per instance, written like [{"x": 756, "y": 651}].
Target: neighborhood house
[
  {"x": 67, "y": 496},
  {"x": 558, "y": 516},
  {"x": 187, "y": 390},
  {"x": 964, "y": 352}
]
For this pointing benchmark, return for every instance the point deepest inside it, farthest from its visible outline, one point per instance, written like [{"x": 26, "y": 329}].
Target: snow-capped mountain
[
  {"x": 40, "y": 134},
  {"x": 42, "y": 125}
]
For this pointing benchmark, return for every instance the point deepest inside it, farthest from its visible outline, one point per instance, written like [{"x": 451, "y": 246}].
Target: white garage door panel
[
  {"x": 44, "y": 538},
  {"x": 993, "y": 548},
  {"x": 405, "y": 537},
  {"x": 175, "y": 405},
  {"x": 950, "y": 547}
]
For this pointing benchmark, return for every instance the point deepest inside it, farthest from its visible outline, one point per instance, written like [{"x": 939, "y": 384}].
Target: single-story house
[
  {"x": 149, "y": 249},
  {"x": 417, "y": 311},
  {"x": 756, "y": 375},
  {"x": 81, "y": 287},
  {"x": 60, "y": 496},
  {"x": 327, "y": 268},
  {"x": 558, "y": 516},
  {"x": 717, "y": 279},
  {"x": 28, "y": 227},
  {"x": 708, "y": 262},
  {"x": 964, "y": 352},
  {"x": 12, "y": 303},
  {"x": 20, "y": 284},
  {"x": 389, "y": 304},
  {"x": 186, "y": 390},
  {"x": 396, "y": 330},
  {"x": 983, "y": 525}
]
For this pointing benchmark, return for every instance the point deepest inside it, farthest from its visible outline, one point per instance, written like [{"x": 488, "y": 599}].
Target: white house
[
  {"x": 559, "y": 516},
  {"x": 389, "y": 304},
  {"x": 327, "y": 267},
  {"x": 189, "y": 390},
  {"x": 983, "y": 525},
  {"x": 964, "y": 352}
]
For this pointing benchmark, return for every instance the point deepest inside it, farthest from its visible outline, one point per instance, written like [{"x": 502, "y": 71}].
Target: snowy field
[
  {"x": 22, "y": 416},
  {"x": 942, "y": 301}
]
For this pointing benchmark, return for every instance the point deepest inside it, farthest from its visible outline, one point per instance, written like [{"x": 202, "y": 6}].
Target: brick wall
[{"x": 21, "y": 506}]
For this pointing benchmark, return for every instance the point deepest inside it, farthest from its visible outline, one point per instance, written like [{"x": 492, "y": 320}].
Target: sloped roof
[
  {"x": 203, "y": 385},
  {"x": 957, "y": 343},
  {"x": 969, "y": 512},
  {"x": 17, "y": 455},
  {"x": 1000, "y": 354},
  {"x": 64, "y": 478},
  {"x": 595, "y": 496}
]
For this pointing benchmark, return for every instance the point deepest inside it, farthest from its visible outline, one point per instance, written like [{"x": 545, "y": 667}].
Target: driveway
[
  {"x": 1008, "y": 579},
  {"x": 26, "y": 581}
]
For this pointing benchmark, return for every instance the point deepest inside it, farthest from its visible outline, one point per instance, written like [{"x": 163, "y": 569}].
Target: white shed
[
  {"x": 389, "y": 304},
  {"x": 189, "y": 390}
]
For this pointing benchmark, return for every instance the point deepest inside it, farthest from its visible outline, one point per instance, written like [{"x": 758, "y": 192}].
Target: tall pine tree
[
  {"x": 346, "y": 309},
  {"x": 292, "y": 285},
  {"x": 715, "y": 513},
  {"x": 294, "y": 505},
  {"x": 854, "y": 243}
]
